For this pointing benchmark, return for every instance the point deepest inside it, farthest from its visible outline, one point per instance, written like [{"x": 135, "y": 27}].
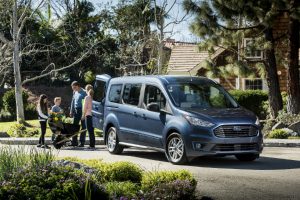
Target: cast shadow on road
[{"x": 229, "y": 162}]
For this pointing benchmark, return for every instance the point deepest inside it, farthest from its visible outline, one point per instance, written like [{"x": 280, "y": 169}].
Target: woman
[
  {"x": 42, "y": 110},
  {"x": 87, "y": 116}
]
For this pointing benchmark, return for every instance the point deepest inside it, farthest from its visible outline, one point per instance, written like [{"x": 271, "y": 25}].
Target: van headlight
[
  {"x": 198, "y": 122},
  {"x": 257, "y": 122}
]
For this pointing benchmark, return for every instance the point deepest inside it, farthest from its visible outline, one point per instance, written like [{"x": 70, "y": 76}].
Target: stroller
[{"x": 63, "y": 132}]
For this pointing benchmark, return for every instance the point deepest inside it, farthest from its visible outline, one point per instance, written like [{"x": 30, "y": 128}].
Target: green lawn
[{"x": 4, "y": 127}]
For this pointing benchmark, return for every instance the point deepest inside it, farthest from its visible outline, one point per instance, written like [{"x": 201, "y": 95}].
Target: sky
[{"x": 180, "y": 31}]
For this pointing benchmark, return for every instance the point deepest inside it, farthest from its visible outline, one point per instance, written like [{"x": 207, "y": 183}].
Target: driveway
[{"x": 276, "y": 175}]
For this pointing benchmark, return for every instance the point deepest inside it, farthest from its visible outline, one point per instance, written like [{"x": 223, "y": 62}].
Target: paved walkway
[{"x": 99, "y": 141}]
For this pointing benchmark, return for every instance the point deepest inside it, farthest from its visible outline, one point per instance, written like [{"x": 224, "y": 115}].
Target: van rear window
[
  {"x": 131, "y": 94},
  {"x": 115, "y": 93}
]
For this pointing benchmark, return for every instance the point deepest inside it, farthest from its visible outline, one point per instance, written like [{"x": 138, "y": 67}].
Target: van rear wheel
[
  {"x": 247, "y": 157},
  {"x": 175, "y": 149},
  {"x": 112, "y": 141}
]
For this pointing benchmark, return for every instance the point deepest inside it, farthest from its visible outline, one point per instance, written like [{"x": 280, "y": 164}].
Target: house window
[
  {"x": 250, "y": 51},
  {"x": 253, "y": 84}
]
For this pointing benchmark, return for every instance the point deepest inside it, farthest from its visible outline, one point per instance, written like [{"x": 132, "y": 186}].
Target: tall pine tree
[
  {"x": 293, "y": 85},
  {"x": 225, "y": 23}
]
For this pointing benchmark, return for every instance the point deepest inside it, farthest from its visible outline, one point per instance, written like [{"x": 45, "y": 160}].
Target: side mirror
[{"x": 153, "y": 107}]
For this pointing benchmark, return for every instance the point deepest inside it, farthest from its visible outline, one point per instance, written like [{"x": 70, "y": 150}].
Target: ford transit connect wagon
[{"x": 183, "y": 116}]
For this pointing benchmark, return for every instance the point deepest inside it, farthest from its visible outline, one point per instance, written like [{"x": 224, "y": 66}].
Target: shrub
[
  {"x": 123, "y": 171},
  {"x": 179, "y": 189},
  {"x": 30, "y": 111},
  {"x": 252, "y": 100},
  {"x": 118, "y": 190},
  {"x": 267, "y": 127},
  {"x": 5, "y": 116},
  {"x": 20, "y": 130},
  {"x": 279, "y": 134},
  {"x": 118, "y": 171},
  {"x": 9, "y": 101},
  {"x": 152, "y": 180},
  {"x": 17, "y": 130},
  {"x": 51, "y": 183}
]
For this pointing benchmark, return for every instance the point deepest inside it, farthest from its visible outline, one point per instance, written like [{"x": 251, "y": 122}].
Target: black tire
[
  {"x": 116, "y": 148},
  {"x": 57, "y": 139},
  {"x": 247, "y": 157},
  {"x": 178, "y": 156}
]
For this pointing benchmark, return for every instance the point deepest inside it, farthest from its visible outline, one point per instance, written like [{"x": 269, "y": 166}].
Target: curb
[
  {"x": 282, "y": 143},
  {"x": 34, "y": 141},
  {"x": 99, "y": 141}
]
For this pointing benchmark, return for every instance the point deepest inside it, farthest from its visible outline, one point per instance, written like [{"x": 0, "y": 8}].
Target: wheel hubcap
[
  {"x": 175, "y": 149},
  {"x": 111, "y": 140}
]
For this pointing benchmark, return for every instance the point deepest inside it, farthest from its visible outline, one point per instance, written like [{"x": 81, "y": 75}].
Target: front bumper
[{"x": 208, "y": 144}]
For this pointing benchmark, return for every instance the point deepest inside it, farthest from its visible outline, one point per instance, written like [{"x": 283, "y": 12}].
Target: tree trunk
[
  {"x": 275, "y": 98},
  {"x": 160, "y": 49},
  {"x": 17, "y": 74},
  {"x": 293, "y": 82}
]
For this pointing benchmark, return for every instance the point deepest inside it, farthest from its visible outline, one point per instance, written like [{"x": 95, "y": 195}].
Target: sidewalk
[
  {"x": 100, "y": 141},
  {"x": 35, "y": 140}
]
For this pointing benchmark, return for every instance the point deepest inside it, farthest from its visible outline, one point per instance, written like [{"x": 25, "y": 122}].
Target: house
[{"x": 186, "y": 59}]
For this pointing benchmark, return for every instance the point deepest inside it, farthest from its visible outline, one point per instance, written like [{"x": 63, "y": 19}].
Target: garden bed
[{"x": 35, "y": 174}]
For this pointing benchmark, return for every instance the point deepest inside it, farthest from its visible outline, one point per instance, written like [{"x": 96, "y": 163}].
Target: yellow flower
[{"x": 55, "y": 119}]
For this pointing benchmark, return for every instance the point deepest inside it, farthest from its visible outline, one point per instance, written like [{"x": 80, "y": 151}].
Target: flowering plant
[{"x": 57, "y": 116}]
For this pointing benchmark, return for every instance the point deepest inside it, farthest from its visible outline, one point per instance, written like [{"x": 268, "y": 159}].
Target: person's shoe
[
  {"x": 91, "y": 148},
  {"x": 39, "y": 145},
  {"x": 81, "y": 145}
]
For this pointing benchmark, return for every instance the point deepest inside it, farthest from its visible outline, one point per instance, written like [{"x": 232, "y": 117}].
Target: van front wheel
[
  {"x": 175, "y": 149},
  {"x": 112, "y": 141}
]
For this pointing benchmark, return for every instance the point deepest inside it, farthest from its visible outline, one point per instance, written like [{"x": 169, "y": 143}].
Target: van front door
[
  {"x": 100, "y": 87},
  {"x": 151, "y": 119}
]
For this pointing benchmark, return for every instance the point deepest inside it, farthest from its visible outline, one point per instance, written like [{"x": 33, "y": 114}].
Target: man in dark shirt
[{"x": 76, "y": 111}]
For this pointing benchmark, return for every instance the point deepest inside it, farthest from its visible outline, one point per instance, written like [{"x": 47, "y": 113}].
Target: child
[
  {"x": 87, "y": 116},
  {"x": 42, "y": 110},
  {"x": 56, "y": 108}
]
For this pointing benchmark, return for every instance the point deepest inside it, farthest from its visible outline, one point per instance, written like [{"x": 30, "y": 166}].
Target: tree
[
  {"x": 21, "y": 14},
  {"x": 162, "y": 11},
  {"x": 293, "y": 84},
  {"x": 218, "y": 22},
  {"x": 131, "y": 22}
]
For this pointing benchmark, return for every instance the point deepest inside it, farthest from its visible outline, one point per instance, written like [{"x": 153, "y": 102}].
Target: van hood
[{"x": 225, "y": 115}]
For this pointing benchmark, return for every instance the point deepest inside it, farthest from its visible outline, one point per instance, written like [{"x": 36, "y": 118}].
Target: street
[{"x": 276, "y": 175}]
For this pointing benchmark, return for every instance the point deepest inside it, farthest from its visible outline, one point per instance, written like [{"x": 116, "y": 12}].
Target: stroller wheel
[{"x": 57, "y": 139}]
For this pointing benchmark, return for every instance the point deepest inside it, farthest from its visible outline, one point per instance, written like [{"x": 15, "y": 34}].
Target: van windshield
[{"x": 201, "y": 95}]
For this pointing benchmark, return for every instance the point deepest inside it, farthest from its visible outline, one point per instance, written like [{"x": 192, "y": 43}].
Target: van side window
[
  {"x": 131, "y": 94},
  {"x": 99, "y": 89},
  {"x": 115, "y": 93},
  {"x": 154, "y": 95}
]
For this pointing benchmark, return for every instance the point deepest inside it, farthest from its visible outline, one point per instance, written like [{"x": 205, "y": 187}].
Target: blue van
[{"x": 183, "y": 116}]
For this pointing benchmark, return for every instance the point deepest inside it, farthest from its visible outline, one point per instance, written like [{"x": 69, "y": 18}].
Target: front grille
[
  {"x": 231, "y": 131},
  {"x": 236, "y": 147}
]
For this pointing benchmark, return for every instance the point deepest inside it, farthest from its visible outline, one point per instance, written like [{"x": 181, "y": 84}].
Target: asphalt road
[{"x": 276, "y": 175}]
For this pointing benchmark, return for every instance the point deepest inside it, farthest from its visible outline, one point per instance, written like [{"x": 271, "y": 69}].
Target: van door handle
[
  {"x": 144, "y": 116},
  {"x": 135, "y": 114}
]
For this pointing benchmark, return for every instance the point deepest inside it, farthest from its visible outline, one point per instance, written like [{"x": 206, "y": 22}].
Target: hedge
[
  {"x": 9, "y": 105},
  {"x": 252, "y": 100}
]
